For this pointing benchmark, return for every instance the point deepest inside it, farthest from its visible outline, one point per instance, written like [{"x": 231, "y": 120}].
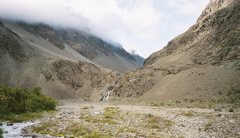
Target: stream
[{"x": 15, "y": 130}]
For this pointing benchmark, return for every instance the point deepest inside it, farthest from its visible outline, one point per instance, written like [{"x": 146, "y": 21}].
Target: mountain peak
[{"x": 214, "y": 6}]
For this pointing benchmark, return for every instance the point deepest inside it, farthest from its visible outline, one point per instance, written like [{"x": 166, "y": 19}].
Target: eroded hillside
[
  {"x": 28, "y": 60},
  {"x": 199, "y": 64},
  {"x": 105, "y": 54}
]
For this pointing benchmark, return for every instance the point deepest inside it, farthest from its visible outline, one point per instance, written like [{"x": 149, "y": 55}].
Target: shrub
[
  {"x": 1, "y": 132},
  {"x": 231, "y": 110},
  {"x": 20, "y": 101}
]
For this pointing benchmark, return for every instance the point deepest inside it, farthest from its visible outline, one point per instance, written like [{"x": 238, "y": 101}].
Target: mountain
[
  {"x": 105, "y": 54},
  {"x": 202, "y": 63},
  {"x": 66, "y": 63}
]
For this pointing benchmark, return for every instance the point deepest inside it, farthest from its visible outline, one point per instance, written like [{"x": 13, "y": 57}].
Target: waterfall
[{"x": 106, "y": 96}]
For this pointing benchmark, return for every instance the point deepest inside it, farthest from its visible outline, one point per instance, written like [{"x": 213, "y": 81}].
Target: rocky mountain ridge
[
  {"x": 208, "y": 36},
  {"x": 199, "y": 64},
  {"x": 90, "y": 46}
]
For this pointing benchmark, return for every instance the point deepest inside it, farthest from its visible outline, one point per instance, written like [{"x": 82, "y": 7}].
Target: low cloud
[
  {"x": 104, "y": 17},
  {"x": 136, "y": 24},
  {"x": 188, "y": 7}
]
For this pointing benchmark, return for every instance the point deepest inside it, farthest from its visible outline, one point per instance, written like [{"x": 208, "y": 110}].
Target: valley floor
[{"x": 76, "y": 118}]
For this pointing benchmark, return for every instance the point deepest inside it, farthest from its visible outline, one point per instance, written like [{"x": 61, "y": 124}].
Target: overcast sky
[{"x": 141, "y": 25}]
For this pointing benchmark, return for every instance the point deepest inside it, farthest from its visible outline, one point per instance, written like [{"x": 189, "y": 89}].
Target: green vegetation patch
[
  {"x": 76, "y": 129},
  {"x": 111, "y": 112},
  {"x": 1, "y": 132},
  {"x": 25, "y": 104},
  {"x": 43, "y": 127},
  {"x": 95, "y": 119},
  {"x": 156, "y": 122},
  {"x": 208, "y": 125},
  {"x": 187, "y": 113},
  {"x": 22, "y": 117},
  {"x": 85, "y": 108}
]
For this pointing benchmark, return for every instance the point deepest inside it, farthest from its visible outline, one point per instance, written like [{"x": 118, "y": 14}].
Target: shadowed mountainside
[
  {"x": 27, "y": 60},
  {"x": 111, "y": 56}
]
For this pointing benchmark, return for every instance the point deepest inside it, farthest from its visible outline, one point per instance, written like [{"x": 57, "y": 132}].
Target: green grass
[
  {"x": 155, "y": 122},
  {"x": 77, "y": 129},
  {"x": 112, "y": 109},
  {"x": 44, "y": 126},
  {"x": 22, "y": 117},
  {"x": 126, "y": 129},
  {"x": 187, "y": 114},
  {"x": 208, "y": 125},
  {"x": 74, "y": 130},
  {"x": 111, "y": 112},
  {"x": 84, "y": 108},
  {"x": 106, "y": 118},
  {"x": 90, "y": 119}
]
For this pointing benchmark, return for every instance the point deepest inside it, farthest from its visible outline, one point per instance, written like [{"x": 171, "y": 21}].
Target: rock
[
  {"x": 37, "y": 136},
  {"x": 178, "y": 102},
  {"x": 182, "y": 125},
  {"x": 217, "y": 110},
  {"x": 148, "y": 115},
  {"x": 232, "y": 121},
  {"x": 9, "y": 124},
  {"x": 58, "y": 117}
]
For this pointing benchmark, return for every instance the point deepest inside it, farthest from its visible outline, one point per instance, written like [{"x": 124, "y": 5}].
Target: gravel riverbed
[{"x": 105, "y": 119}]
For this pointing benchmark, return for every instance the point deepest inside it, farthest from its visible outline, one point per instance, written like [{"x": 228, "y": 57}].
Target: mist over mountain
[
  {"x": 88, "y": 45},
  {"x": 196, "y": 64},
  {"x": 189, "y": 88},
  {"x": 133, "y": 23},
  {"x": 65, "y": 14},
  {"x": 65, "y": 62}
]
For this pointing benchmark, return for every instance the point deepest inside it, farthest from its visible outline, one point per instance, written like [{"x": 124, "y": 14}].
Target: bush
[
  {"x": 20, "y": 101},
  {"x": 1, "y": 132},
  {"x": 231, "y": 110}
]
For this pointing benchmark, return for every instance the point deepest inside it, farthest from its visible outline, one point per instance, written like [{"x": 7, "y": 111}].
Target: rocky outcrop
[
  {"x": 79, "y": 75},
  {"x": 134, "y": 84}
]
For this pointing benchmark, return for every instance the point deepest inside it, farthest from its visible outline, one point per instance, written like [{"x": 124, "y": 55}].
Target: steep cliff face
[
  {"x": 213, "y": 39},
  {"x": 107, "y": 55},
  {"x": 196, "y": 64}
]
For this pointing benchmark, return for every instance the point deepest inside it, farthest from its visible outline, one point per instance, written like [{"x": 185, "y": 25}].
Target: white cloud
[
  {"x": 137, "y": 24},
  {"x": 189, "y": 7},
  {"x": 142, "y": 19}
]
